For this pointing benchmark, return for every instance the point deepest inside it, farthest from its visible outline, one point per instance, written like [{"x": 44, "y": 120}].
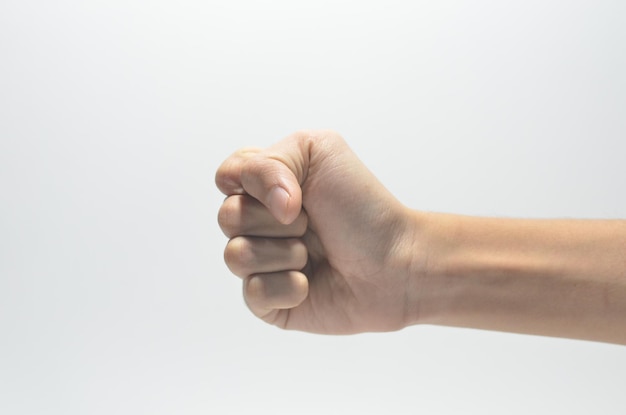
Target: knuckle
[
  {"x": 238, "y": 255},
  {"x": 229, "y": 216},
  {"x": 254, "y": 294},
  {"x": 222, "y": 180}
]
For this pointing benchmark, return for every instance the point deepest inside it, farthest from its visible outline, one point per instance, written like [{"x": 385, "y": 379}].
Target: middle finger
[{"x": 243, "y": 215}]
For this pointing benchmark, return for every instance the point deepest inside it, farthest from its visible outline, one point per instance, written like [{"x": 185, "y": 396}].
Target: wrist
[
  {"x": 416, "y": 262},
  {"x": 429, "y": 291}
]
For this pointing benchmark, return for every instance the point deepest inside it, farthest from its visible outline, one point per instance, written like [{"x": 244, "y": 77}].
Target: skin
[{"x": 323, "y": 247}]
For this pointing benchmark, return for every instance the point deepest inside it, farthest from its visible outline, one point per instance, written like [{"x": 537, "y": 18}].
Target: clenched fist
[{"x": 320, "y": 244}]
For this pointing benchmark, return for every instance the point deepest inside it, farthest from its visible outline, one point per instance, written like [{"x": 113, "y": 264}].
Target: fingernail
[{"x": 277, "y": 201}]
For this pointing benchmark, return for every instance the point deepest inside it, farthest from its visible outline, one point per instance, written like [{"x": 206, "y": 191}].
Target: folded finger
[
  {"x": 228, "y": 175},
  {"x": 265, "y": 293},
  {"x": 242, "y": 215},
  {"x": 245, "y": 256}
]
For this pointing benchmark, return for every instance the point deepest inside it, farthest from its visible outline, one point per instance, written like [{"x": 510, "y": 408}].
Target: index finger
[{"x": 228, "y": 175}]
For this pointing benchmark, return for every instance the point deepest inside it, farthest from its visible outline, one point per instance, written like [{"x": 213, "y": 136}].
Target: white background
[{"x": 114, "y": 116}]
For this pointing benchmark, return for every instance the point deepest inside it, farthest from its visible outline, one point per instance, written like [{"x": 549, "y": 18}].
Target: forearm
[{"x": 564, "y": 278}]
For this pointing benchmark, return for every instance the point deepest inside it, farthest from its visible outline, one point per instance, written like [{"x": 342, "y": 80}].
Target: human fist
[{"x": 321, "y": 245}]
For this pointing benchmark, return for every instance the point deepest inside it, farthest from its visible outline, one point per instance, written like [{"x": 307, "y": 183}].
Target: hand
[{"x": 321, "y": 245}]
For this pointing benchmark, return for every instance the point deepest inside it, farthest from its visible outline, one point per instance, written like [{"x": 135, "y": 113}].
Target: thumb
[{"x": 274, "y": 177}]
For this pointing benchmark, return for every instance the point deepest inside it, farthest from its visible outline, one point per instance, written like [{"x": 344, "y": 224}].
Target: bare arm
[{"x": 564, "y": 278}]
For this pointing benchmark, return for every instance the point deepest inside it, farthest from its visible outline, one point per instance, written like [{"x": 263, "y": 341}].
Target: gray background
[{"x": 114, "y": 116}]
